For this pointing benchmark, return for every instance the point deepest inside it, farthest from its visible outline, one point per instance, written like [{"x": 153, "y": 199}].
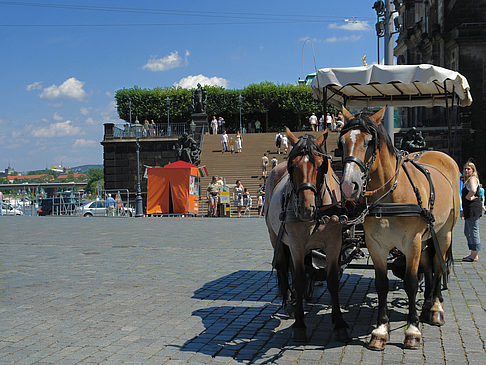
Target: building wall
[{"x": 450, "y": 34}]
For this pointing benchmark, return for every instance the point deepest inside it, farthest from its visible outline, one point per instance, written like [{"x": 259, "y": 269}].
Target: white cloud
[
  {"x": 69, "y": 89},
  {"x": 352, "y": 38},
  {"x": 57, "y": 117},
  {"x": 34, "y": 86},
  {"x": 81, "y": 142},
  {"x": 109, "y": 94},
  {"x": 191, "y": 82},
  {"x": 60, "y": 129},
  {"x": 84, "y": 111},
  {"x": 90, "y": 121},
  {"x": 353, "y": 25},
  {"x": 173, "y": 60}
]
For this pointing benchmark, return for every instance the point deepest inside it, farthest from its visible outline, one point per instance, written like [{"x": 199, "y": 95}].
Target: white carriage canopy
[{"x": 393, "y": 85}]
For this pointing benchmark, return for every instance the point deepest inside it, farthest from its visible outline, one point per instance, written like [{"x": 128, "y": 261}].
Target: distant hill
[{"x": 85, "y": 168}]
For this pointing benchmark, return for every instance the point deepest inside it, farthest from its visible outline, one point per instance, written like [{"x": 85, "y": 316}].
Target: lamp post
[
  {"x": 138, "y": 197},
  {"x": 169, "y": 131},
  {"x": 129, "y": 106},
  {"x": 240, "y": 98}
]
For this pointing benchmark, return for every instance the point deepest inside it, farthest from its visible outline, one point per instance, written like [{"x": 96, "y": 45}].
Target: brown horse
[
  {"x": 376, "y": 174},
  {"x": 295, "y": 195}
]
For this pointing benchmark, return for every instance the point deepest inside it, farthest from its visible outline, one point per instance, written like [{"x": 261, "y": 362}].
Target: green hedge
[{"x": 274, "y": 105}]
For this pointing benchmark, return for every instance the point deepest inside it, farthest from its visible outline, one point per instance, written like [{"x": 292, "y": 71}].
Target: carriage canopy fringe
[{"x": 394, "y": 85}]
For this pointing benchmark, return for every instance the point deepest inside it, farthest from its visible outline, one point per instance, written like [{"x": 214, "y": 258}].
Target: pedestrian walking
[
  {"x": 239, "y": 141},
  {"x": 313, "y": 122},
  {"x": 264, "y": 165},
  {"x": 224, "y": 142}
]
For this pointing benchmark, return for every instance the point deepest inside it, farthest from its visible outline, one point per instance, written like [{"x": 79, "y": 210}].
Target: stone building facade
[{"x": 450, "y": 34}]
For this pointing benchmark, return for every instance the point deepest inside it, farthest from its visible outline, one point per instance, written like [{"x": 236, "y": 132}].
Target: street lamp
[
  {"x": 129, "y": 106},
  {"x": 169, "y": 131},
  {"x": 138, "y": 197},
  {"x": 240, "y": 98}
]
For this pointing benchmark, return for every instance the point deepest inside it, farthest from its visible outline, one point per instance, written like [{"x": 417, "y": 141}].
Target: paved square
[{"x": 174, "y": 290}]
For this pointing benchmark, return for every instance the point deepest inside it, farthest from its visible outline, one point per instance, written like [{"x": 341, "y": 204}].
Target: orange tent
[{"x": 173, "y": 189}]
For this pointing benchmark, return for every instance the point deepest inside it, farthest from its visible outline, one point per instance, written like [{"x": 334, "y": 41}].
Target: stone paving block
[{"x": 78, "y": 296}]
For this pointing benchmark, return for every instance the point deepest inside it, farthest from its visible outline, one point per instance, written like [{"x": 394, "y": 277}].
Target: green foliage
[
  {"x": 280, "y": 105},
  {"x": 94, "y": 175}
]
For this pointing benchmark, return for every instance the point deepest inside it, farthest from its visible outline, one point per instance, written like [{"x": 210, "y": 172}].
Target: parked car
[
  {"x": 8, "y": 209},
  {"x": 57, "y": 205},
  {"x": 99, "y": 208}
]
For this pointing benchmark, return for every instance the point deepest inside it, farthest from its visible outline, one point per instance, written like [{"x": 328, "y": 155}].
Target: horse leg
[
  {"x": 281, "y": 264},
  {"x": 379, "y": 336},
  {"x": 298, "y": 281},
  {"x": 340, "y": 325},
  {"x": 436, "y": 315},
  {"x": 412, "y": 332}
]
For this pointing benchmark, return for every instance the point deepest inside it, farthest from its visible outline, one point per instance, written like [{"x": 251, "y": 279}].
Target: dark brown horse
[
  {"x": 295, "y": 195},
  {"x": 423, "y": 189}
]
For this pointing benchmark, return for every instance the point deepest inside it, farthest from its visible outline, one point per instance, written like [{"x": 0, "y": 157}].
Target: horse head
[
  {"x": 361, "y": 140},
  {"x": 307, "y": 164}
]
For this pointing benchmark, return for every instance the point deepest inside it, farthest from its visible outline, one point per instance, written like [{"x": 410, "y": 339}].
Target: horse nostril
[{"x": 355, "y": 187}]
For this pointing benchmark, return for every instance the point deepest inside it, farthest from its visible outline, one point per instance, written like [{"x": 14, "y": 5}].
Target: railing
[{"x": 157, "y": 130}]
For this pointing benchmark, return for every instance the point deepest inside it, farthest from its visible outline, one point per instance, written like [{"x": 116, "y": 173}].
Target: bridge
[{"x": 71, "y": 185}]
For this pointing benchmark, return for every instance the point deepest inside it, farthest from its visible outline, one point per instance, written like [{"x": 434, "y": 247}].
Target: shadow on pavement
[{"x": 263, "y": 332}]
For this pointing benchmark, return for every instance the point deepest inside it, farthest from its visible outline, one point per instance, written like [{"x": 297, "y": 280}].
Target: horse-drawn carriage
[{"x": 313, "y": 214}]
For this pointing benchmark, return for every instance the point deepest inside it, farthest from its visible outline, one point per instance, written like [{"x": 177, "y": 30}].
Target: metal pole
[
  {"x": 239, "y": 98},
  {"x": 389, "y": 115},
  {"x": 169, "y": 130},
  {"x": 138, "y": 198}
]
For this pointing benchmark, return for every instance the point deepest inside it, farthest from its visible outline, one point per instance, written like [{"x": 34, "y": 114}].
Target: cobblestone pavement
[{"x": 175, "y": 290}]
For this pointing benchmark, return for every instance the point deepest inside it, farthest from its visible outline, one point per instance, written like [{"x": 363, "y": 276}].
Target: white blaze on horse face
[
  {"x": 306, "y": 158},
  {"x": 354, "y": 133}
]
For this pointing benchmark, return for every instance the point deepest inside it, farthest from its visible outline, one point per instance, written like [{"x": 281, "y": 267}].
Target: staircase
[{"x": 244, "y": 166}]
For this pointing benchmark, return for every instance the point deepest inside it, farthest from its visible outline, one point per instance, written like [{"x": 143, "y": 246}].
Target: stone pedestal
[{"x": 201, "y": 121}]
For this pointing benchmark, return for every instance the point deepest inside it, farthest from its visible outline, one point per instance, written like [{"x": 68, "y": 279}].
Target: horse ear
[
  {"x": 292, "y": 139},
  {"x": 322, "y": 138},
  {"x": 378, "y": 116},
  {"x": 347, "y": 115}
]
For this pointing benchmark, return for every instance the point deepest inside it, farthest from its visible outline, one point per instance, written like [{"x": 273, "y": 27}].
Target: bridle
[
  {"x": 307, "y": 146},
  {"x": 358, "y": 124}
]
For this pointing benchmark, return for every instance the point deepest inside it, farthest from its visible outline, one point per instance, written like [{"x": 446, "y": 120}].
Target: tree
[{"x": 94, "y": 175}]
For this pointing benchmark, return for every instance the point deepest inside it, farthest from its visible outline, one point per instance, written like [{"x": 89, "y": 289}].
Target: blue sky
[{"x": 63, "y": 60}]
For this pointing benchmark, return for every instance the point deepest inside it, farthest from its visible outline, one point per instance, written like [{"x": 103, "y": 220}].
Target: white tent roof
[{"x": 393, "y": 85}]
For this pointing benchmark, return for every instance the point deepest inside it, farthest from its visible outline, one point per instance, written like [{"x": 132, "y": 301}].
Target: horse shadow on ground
[{"x": 256, "y": 329}]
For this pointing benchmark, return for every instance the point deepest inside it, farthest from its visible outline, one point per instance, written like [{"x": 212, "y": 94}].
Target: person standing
[
  {"x": 239, "y": 141},
  {"x": 1, "y": 203},
  {"x": 274, "y": 162},
  {"x": 212, "y": 193},
  {"x": 258, "y": 126},
  {"x": 238, "y": 197},
  {"x": 285, "y": 142},
  {"x": 224, "y": 142},
  {"x": 313, "y": 122},
  {"x": 472, "y": 210},
  {"x": 214, "y": 125},
  {"x": 278, "y": 142},
  {"x": 110, "y": 205},
  {"x": 264, "y": 165}
]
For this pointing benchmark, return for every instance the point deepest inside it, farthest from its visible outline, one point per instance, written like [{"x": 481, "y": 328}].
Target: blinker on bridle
[
  {"x": 302, "y": 149},
  {"x": 358, "y": 124}
]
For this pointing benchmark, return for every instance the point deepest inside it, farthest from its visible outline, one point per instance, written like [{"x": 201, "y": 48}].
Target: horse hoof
[
  {"x": 411, "y": 342},
  {"x": 299, "y": 335},
  {"x": 341, "y": 335},
  {"x": 437, "y": 318},
  {"x": 377, "y": 343}
]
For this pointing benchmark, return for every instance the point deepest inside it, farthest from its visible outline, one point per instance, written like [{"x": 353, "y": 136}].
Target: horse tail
[{"x": 449, "y": 262}]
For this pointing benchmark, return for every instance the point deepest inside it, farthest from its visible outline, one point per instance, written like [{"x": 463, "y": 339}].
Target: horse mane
[
  {"x": 305, "y": 146},
  {"x": 363, "y": 122}
]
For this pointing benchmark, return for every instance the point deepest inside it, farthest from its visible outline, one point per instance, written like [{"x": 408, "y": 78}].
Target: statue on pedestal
[
  {"x": 188, "y": 150},
  {"x": 199, "y": 99}
]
